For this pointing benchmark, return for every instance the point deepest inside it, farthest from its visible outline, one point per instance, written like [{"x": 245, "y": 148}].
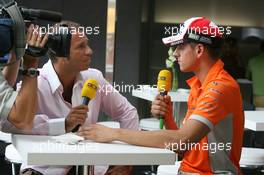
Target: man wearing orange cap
[{"x": 212, "y": 131}]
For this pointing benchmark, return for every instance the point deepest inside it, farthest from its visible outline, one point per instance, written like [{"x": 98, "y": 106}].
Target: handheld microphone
[
  {"x": 41, "y": 14},
  {"x": 164, "y": 85},
  {"x": 88, "y": 93}
]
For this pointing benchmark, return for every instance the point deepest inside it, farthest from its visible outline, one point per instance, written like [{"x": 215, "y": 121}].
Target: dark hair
[
  {"x": 214, "y": 52},
  {"x": 70, "y": 24}
]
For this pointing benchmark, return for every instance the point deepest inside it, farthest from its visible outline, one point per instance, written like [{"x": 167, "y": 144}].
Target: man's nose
[
  {"x": 88, "y": 51},
  {"x": 176, "y": 54}
]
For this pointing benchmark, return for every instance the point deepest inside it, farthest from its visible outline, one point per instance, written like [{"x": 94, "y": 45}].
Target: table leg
[
  {"x": 77, "y": 170},
  {"x": 92, "y": 169},
  {"x": 13, "y": 169},
  {"x": 85, "y": 170},
  {"x": 88, "y": 170}
]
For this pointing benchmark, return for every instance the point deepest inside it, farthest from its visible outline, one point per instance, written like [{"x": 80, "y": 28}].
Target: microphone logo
[
  {"x": 164, "y": 81},
  {"x": 89, "y": 89}
]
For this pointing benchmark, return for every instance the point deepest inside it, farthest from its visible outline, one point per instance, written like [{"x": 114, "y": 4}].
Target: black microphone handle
[
  {"x": 76, "y": 128},
  {"x": 85, "y": 101},
  {"x": 163, "y": 93}
]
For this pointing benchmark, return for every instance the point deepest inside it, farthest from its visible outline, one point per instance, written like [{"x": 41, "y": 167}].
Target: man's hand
[
  {"x": 119, "y": 170},
  {"x": 35, "y": 38},
  {"x": 98, "y": 133},
  {"x": 76, "y": 116},
  {"x": 162, "y": 106}
]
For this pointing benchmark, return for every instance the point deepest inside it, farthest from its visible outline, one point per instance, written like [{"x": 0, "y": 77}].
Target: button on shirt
[{"x": 52, "y": 108}]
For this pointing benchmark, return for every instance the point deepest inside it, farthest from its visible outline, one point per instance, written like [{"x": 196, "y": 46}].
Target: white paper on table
[{"x": 68, "y": 138}]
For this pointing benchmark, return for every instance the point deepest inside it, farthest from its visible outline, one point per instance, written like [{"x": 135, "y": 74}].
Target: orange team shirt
[{"x": 218, "y": 104}]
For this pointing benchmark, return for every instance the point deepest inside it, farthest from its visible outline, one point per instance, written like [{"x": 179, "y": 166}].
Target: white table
[
  {"x": 254, "y": 120},
  {"x": 41, "y": 150},
  {"x": 181, "y": 95},
  {"x": 148, "y": 93}
]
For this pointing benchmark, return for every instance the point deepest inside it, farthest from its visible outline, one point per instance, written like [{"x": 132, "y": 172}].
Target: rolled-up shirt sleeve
[
  {"x": 7, "y": 97},
  {"x": 43, "y": 125},
  {"x": 56, "y": 126}
]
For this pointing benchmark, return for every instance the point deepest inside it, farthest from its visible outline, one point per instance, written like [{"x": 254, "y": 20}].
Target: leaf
[
  {"x": 172, "y": 58},
  {"x": 170, "y": 52},
  {"x": 169, "y": 63}
]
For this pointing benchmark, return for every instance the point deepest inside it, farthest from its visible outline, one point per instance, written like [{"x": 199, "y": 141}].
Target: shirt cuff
[
  {"x": 57, "y": 126},
  {"x": 203, "y": 120}
]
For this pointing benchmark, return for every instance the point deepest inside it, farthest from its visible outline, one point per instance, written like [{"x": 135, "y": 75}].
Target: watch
[{"x": 32, "y": 72}]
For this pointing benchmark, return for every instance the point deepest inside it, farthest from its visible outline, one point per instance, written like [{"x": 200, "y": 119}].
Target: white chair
[
  {"x": 6, "y": 137},
  {"x": 13, "y": 157},
  {"x": 252, "y": 158},
  {"x": 259, "y": 109},
  {"x": 169, "y": 169}
]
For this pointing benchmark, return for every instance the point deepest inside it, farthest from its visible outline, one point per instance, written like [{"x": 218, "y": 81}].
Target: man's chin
[
  {"x": 182, "y": 69},
  {"x": 85, "y": 68}
]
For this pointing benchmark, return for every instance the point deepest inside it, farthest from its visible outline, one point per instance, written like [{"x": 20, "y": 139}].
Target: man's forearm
[
  {"x": 23, "y": 111},
  {"x": 191, "y": 132},
  {"x": 146, "y": 138}
]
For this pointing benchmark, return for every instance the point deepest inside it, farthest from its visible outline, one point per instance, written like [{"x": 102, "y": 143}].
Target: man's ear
[{"x": 200, "y": 49}]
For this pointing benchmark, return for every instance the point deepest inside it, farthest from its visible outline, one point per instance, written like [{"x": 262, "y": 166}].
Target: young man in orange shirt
[{"x": 212, "y": 131}]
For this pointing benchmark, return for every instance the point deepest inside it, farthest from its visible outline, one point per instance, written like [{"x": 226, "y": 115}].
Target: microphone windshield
[
  {"x": 164, "y": 81},
  {"x": 89, "y": 88}
]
